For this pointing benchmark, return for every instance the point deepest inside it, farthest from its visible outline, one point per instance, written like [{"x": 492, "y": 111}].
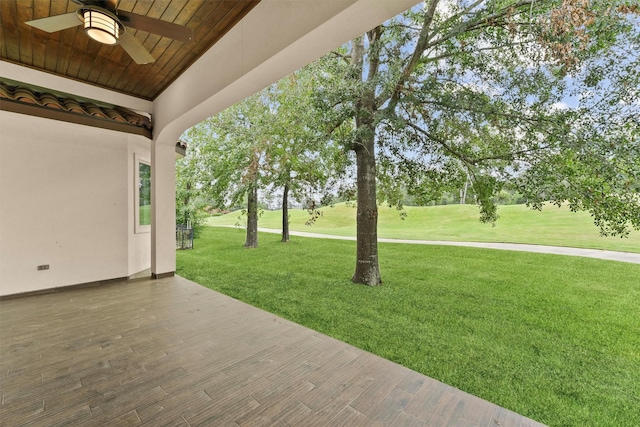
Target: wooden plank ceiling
[{"x": 72, "y": 54}]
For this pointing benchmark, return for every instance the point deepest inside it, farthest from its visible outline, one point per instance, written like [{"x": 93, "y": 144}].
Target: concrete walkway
[{"x": 556, "y": 250}]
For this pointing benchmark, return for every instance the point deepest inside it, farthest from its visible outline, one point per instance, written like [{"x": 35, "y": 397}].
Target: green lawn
[
  {"x": 517, "y": 224},
  {"x": 555, "y": 338},
  {"x": 145, "y": 215}
]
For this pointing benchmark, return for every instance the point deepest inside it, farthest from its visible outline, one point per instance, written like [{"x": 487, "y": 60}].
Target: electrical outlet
[{"x": 43, "y": 267}]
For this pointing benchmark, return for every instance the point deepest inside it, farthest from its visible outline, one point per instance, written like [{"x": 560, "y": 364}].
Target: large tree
[
  {"x": 230, "y": 150},
  {"x": 269, "y": 144},
  {"x": 190, "y": 200},
  {"x": 455, "y": 90},
  {"x": 303, "y": 165}
]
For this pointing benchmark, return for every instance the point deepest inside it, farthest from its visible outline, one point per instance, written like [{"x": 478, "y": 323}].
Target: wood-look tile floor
[{"x": 172, "y": 353}]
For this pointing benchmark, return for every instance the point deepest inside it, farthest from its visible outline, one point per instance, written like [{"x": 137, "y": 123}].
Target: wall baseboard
[
  {"x": 156, "y": 276},
  {"x": 64, "y": 288}
]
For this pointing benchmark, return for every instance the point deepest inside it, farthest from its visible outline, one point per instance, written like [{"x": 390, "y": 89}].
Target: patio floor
[{"x": 170, "y": 352}]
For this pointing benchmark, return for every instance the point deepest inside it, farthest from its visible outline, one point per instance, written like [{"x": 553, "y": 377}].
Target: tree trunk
[
  {"x": 367, "y": 268},
  {"x": 463, "y": 193},
  {"x": 187, "y": 198},
  {"x": 252, "y": 218},
  {"x": 285, "y": 214}
]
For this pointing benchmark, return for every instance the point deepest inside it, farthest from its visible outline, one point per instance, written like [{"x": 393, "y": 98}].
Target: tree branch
[
  {"x": 345, "y": 58},
  {"x": 374, "y": 52},
  {"x": 487, "y": 21},
  {"x": 428, "y": 59},
  {"x": 463, "y": 12},
  {"x": 468, "y": 160},
  {"x": 421, "y": 45}
]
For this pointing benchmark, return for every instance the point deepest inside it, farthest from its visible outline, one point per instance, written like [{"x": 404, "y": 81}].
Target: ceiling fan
[{"x": 106, "y": 24}]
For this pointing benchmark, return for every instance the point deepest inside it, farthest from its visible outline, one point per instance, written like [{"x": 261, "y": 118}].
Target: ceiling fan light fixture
[{"x": 101, "y": 27}]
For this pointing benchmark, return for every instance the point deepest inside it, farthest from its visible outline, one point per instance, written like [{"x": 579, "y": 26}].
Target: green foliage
[
  {"x": 304, "y": 160},
  {"x": 558, "y": 343},
  {"x": 472, "y": 91},
  {"x": 226, "y": 151},
  {"x": 596, "y": 165},
  {"x": 190, "y": 201},
  {"x": 144, "y": 194},
  {"x": 145, "y": 215},
  {"x": 265, "y": 144}
]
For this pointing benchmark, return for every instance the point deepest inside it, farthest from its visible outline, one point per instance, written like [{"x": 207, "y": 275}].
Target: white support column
[{"x": 163, "y": 208}]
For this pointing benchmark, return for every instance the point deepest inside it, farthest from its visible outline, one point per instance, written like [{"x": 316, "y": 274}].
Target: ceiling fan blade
[
  {"x": 56, "y": 23},
  {"x": 156, "y": 26},
  {"x": 135, "y": 49}
]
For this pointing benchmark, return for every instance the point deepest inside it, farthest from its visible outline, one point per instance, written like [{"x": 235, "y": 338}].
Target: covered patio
[
  {"x": 113, "y": 351},
  {"x": 81, "y": 119},
  {"x": 171, "y": 352}
]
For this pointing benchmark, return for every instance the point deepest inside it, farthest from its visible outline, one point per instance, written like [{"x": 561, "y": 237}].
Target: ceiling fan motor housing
[{"x": 100, "y": 24}]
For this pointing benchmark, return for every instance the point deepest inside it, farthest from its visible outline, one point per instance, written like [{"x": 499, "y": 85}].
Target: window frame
[{"x": 138, "y": 227}]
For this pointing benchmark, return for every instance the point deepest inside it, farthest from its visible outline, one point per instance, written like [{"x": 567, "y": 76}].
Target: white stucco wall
[{"x": 67, "y": 201}]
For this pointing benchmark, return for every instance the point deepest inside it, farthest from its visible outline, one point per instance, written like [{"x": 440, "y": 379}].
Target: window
[{"x": 142, "y": 196}]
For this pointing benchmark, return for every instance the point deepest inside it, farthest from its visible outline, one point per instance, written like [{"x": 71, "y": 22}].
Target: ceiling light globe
[{"x": 101, "y": 27}]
